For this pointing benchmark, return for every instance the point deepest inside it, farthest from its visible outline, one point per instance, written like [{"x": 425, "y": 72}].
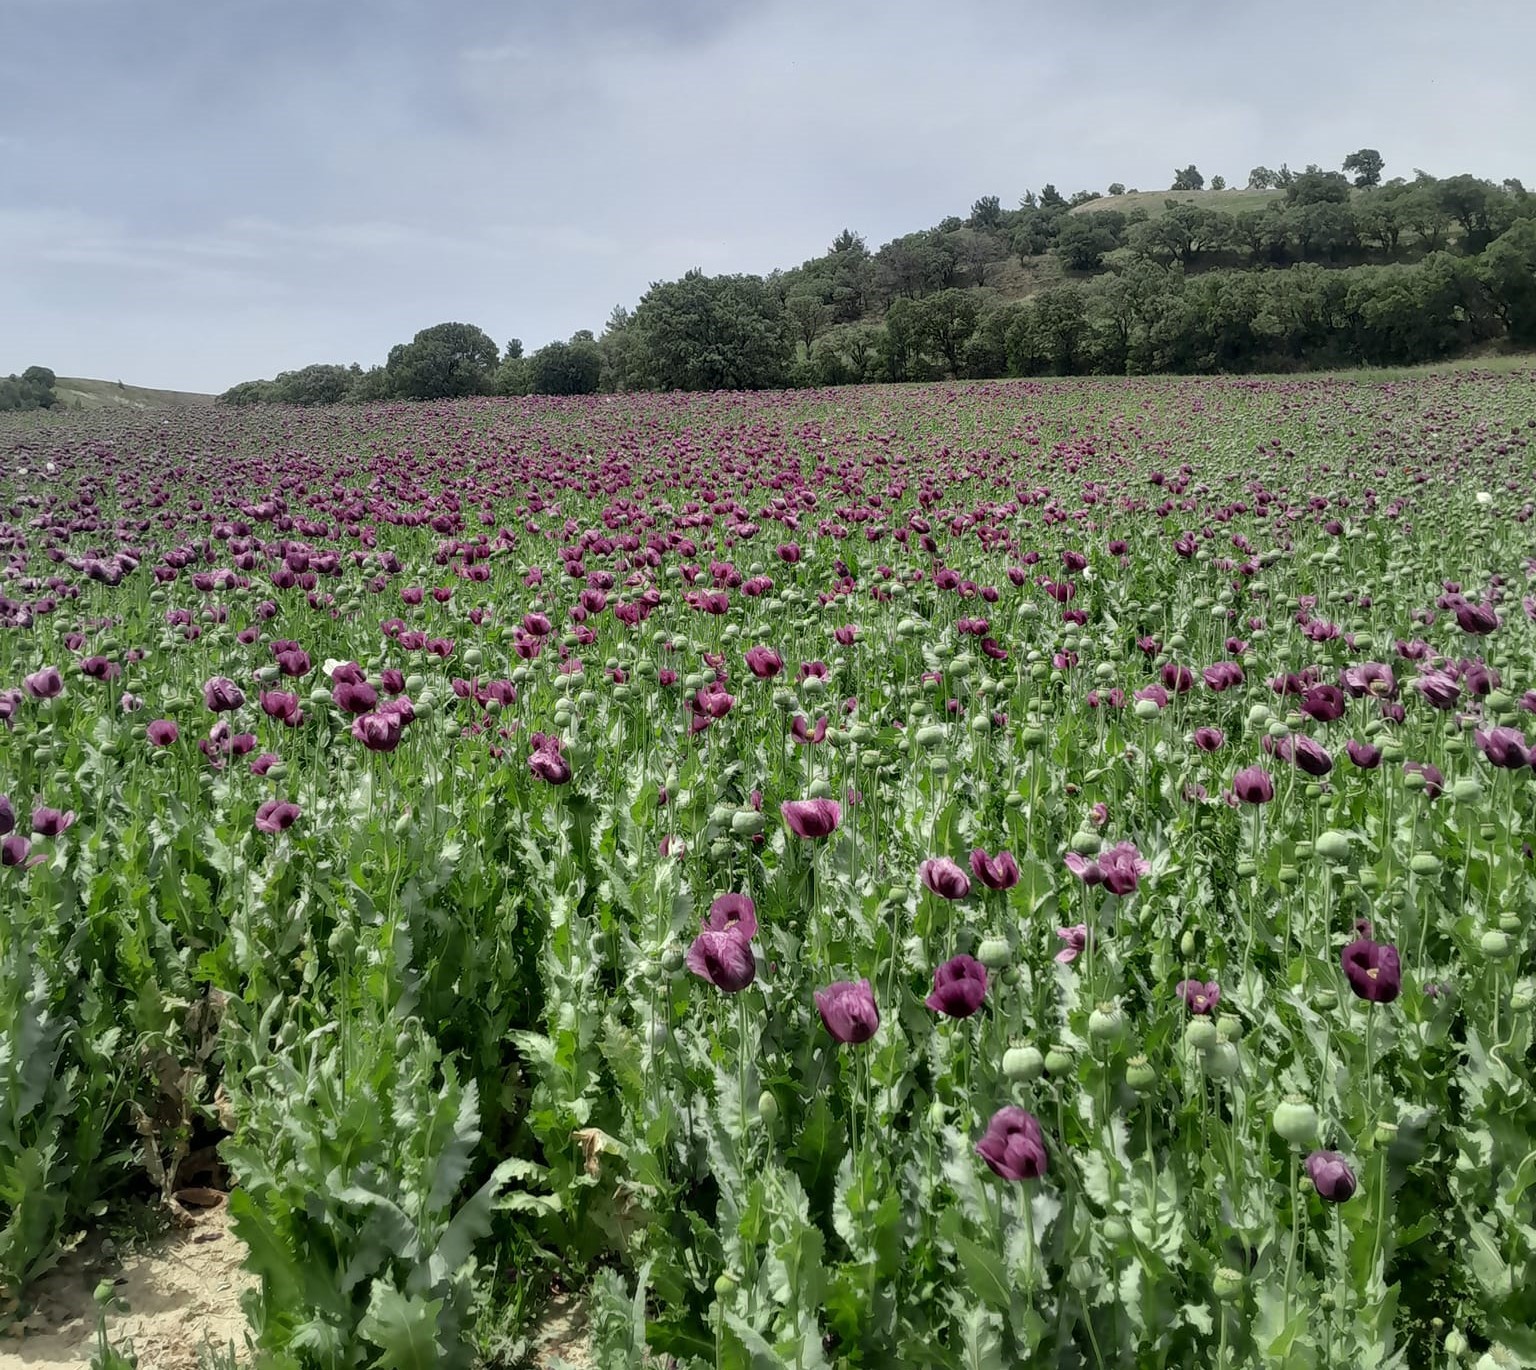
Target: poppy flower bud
[
  {"x": 1023, "y": 1064},
  {"x": 768, "y": 1109}
]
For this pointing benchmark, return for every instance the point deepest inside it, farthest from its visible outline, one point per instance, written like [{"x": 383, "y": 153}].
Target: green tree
[
  {"x": 1083, "y": 239},
  {"x": 807, "y": 316},
  {"x": 713, "y": 333},
  {"x": 1218, "y": 182},
  {"x": 848, "y": 354},
  {"x": 1188, "y": 178},
  {"x": 445, "y": 361},
  {"x": 1117, "y": 188},
  {"x": 945, "y": 322},
  {"x": 987, "y": 212},
  {"x": 1366, "y": 165},
  {"x": 572, "y": 368},
  {"x": 312, "y": 385},
  {"x": 246, "y": 393},
  {"x": 1261, "y": 178},
  {"x": 1317, "y": 187},
  {"x": 1509, "y": 271}
]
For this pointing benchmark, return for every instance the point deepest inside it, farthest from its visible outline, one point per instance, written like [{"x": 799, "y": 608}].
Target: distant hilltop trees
[
  {"x": 33, "y": 389},
  {"x": 1302, "y": 269}
]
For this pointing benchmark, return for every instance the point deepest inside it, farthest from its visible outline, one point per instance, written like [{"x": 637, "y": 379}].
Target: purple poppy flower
[
  {"x": 1331, "y": 1176},
  {"x": 944, "y": 878},
  {"x": 7, "y": 815},
  {"x": 1199, "y": 997},
  {"x": 222, "y": 695},
  {"x": 764, "y": 662},
  {"x": 44, "y": 684},
  {"x": 1000, "y": 872},
  {"x": 959, "y": 986},
  {"x": 264, "y": 763},
  {"x": 1504, "y": 747},
  {"x": 48, "y": 822},
  {"x": 805, "y": 735},
  {"x": 1373, "y": 970},
  {"x": 275, "y": 816},
  {"x": 1370, "y": 677},
  {"x": 724, "y": 959},
  {"x": 15, "y": 850},
  {"x": 811, "y": 818},
  {"x": 1438, "y": 689},
  {"x": 733, "y": 913},
  {"x": 1209, "y": 739},
  {"x": 354, "y": 696},
  {"x": 380, "y": 731},
  {"x": 162, "y": 732},
  {"x": 1478, "y": 619},
  {"x": 1076, "y": 939},
  {"x": 282, "y": 706},
  {"x": 546, "y": 762},
  {"x": 848, "y": 1011},
  {"x": 1252, "y": 785},
  {"x": 1014, "y": 1145},
  {"x": 1365, "y": 755},
  {"x": 1325, "y": 703},
  {"x": 1434, "y": 781},
  {"x": 1119, "y": 869}
]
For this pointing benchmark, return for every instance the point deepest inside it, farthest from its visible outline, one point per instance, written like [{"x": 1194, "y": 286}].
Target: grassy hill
[
  {"x": 1155, "y": 201},
  {"x": 76, "y": 393}
]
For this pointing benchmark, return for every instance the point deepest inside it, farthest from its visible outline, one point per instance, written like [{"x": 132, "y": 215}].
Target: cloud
[{"x": 198, "y": 194}]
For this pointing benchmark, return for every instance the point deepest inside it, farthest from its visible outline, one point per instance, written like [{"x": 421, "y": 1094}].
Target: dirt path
[{"x": 182, "y": 1291}]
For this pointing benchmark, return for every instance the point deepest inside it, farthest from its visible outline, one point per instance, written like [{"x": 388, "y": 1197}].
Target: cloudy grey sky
[{"x": 197, "y": 191}]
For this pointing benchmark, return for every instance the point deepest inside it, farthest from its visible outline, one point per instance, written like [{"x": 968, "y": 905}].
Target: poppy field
[{"x": 1028, "y": 873}]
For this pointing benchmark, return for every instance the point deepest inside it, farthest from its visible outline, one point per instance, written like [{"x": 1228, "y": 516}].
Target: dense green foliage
[
  {"x": 33, "y": 389},
  {"x": 1333, "y": 270}
]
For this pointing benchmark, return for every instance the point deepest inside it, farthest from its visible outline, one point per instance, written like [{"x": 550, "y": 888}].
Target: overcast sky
[{"x": 193, "y": 192}]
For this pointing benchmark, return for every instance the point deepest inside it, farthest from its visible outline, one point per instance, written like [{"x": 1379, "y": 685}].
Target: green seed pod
[
  {"x": 820, "y": 788},
  {"x": 939, "y": 765},
  {"x": 1085, "y": 842},
  {"x": 1146, "y": 709},
  {"x": 813, "y": 686},
  {"x": 1456, "y": 1345},
  {"x": 661, "y": 1034},
  {"x": 1393, "y": 752},
  {"x": 1221, "y": 1062},
  {"x": 1467, "y": 790},
  {"x": 1115, "y": 1230},
  {"x": 1039, "y": 671},
  {"x": 1245, "y": 868},
  {"x": 1058, "y": 1061},
  {"x": 1259, "y": 717},
  {"x": 981, "y": 722},
  {"x": 1455, "y": 746},
  {"x": 342, "y": 941},
  {"x": 930, "y": 736},
  {"x": 1288, "y": 875},
  {"x": 869, "y": 758},
  {"x": 672, "y": 959},
  {"x": 994, "y": 952},
  {"x": 1522, "y": 996},
  {"x": 1333, "y": 845},
  {"x": 1424, "y": 863},
  {"x": 1106, "y": 1024},
  {"x": 1278, "y": 730},
  {"x": 1496, "y": 944},
  {"x": 1229, "y": 1028},
  {"x": 1033, "y": 735},
  {"x": 1510, "y": 922},
  {"x": 1139, "y": 1074},
  {"x": 725, "y": 1286},
  {"x": 1369, "y": 881},
  {"x": 747, "y": 823},
  {"x": 474, "y": 658},
  {"x": 425, "y": 707},
  {"x": 767, "y": 1109},
  {"x": 1227, "y": 1285},
  {"x": 1014, "y": 800},
  {"x": 1023, "y": 1065},
  {"x": 1295, "y": 1120},
  {"x": 1201, "y": 1034}
]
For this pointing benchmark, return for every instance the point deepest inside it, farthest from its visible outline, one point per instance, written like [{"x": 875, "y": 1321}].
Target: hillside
[
  {"x": 1155, "y": 202},
  {"x": 77, "y": 393}
]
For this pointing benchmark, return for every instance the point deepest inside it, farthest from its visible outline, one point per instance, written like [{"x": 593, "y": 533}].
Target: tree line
[
  {"x": 1332, "y": 269},
  {"x": 33, "y": 389}
]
